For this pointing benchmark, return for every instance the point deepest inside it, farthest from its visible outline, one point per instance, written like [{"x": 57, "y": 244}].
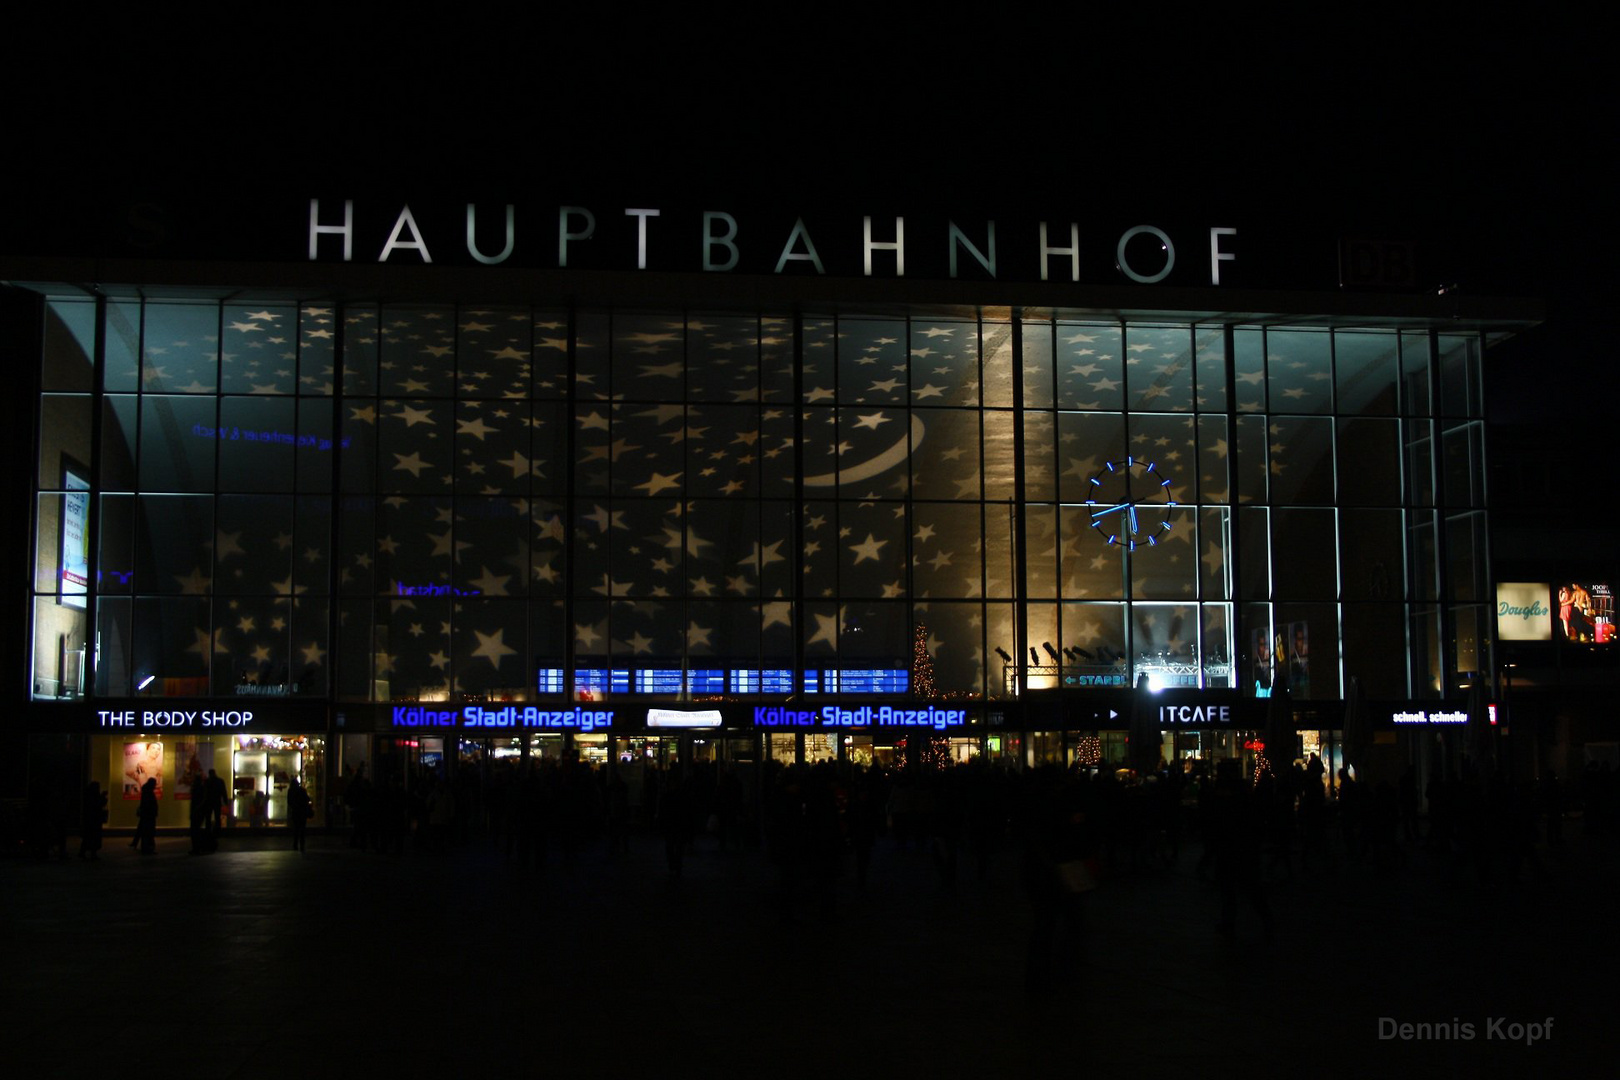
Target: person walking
[
  {"x": 146, "y": 818},
  {"x": 299, "y": 811}
]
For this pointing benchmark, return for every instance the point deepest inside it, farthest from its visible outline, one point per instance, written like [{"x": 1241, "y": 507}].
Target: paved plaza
[{"x": 260, "y": 962}]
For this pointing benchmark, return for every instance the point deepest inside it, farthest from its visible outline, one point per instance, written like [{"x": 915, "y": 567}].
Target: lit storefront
[{"x": 379, "y": 486}]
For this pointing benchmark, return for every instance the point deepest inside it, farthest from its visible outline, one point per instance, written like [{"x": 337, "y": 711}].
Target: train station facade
[{"x": 390, "y": 497}]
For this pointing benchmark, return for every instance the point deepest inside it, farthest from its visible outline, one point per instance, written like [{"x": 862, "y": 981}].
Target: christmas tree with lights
[{"x": 934, "y": 750}]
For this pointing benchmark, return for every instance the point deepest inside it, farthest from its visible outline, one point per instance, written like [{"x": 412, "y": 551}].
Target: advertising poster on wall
[
  {"x": 192, "y": 760},
  {"x": 142, "y": 762},
  {"x": 1298, "y": 644},
  {"x": 1585, "y": 613},
  {"x": 75, "y": 539},
  {"x": 1264, "y": 668}
]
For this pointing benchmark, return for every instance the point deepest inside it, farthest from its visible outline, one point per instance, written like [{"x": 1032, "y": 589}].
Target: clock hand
[
  {"x": 1110, "y": 510},
  {"x": 1133, "y": 519}
]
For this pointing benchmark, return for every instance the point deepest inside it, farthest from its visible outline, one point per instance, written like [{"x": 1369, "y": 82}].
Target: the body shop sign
[{"x": 1523, "y": 612}]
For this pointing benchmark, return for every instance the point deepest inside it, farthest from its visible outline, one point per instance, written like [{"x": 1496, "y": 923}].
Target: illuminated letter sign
[
  {"x": 1195, "y": 714},
  {"x": 475, "y": 716},
  {"x": 1169, "y": 254}
]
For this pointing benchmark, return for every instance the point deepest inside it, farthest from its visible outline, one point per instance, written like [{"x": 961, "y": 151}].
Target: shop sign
[
  {"x": 509, "y": 716},
  {"x": 1522, "y": 611},
  {"x": 681, "y": 718},
  {"x": 1194, "y": 714},
  {"x": 174, "y": 719},
  {"x": 833, "y": 716},
  {"x": 1426, "y": 716}
]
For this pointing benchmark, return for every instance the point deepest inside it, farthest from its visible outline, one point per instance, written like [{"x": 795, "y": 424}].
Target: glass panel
[
  {"x": 253, "y": 545},
  {"x": 1375, "y": 648},
  {"x": 174, "y": 542},
  {"x": 60, "y": 649},
  {"x": 1300, "y": 370},
  {"x": 1168, "y": 568},
  {"x": 722, "y": 358},
  {"x": 259, "y": 354},
  {"x": 64, "y": 439},
  {"x": 1039, "y": 448},
  {"x": 1250, "y": 470},
  {"x": 414, "y": 347},
  {"x": 944, "y": 363},
  {"x": 1303, "y": 543},
  {"x": 173, "y": 645},
  {"x": 1040, "y": 630},
  {"x": 1301, "y": 459},
  {"x": 946, "y": 542},
  {"x": 1415, "y": 373},
  {"x": 492, "y": 354},
  {"x": 414, "y": 448},
  {"x": 1040, "y": 550},
  {"x": 177, "y": 443},
  {"x": 1094, "y": 644},
  {"x": 1459, "y": 375},
  {"x": 948, "y": 465},
  {"x": 1159, "y": 368},
  {"x": 492, "y": 451},
  {"x": 1249, "y": 369},
  {"x": 1165, "y": 640},
  {"x": 872, "y": 367},
  {"x": 1465, "y": 465},
  {"x": 1214, "y": 541},
  {"x": 257, "y": 444},
  {"x": 1087, "y": 443},
  {"x": 113, "y": 630},
  {"x": 1254, "y": 553},
  {"x": 1467, "y": 552},
  {"x": 1037, "y": 372},
  {"x": 1369, "y": 455},
  {"x": 180, "y": 349},
  {"x": 1211, "y": 362},
  {"x": 317, "y": 353},
  {"x": 1422, "y": 556},
  {"x": 1219, "y": 647},
  {"x": 1260, "y": 650},
  {"x": 1000, "y": 437},
  {"x": 118, "y": 425},
  {"x": 1214, "y": 483},
  {"x": 491, "y": 651},
  {"x": 997, "y": 364},
  {"x": 550, "y": 359},
  {"x": 122, "y": 348},
  {"x": 955, "y": 642},
  {"x": 1091, "y": 568},
  {"x": 67, "y": 361},
  {"x": 1090, "y": 367},
  {"x": 115, "y": 569},
  {"x": 1367, "y": 365},
  {"x": 1371, "y": 549}
]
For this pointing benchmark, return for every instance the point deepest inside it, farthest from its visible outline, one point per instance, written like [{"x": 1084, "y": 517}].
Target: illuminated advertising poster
[
  {"x": 192, "y": 760},
  {"x": 1298, "y": 646},
  {"x": 1260, "y": 649},
  {"x": 1522, "y": 611},
  {"x": 75, "y": 554},
  {"x": 1585, "y": 613},
  {"x": 142, "y": 762}
]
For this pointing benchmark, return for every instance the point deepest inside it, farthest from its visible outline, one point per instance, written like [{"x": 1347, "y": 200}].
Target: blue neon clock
[{"x": 1130, "y": 503}]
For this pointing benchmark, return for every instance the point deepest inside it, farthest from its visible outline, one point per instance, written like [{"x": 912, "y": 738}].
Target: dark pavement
[{"x": 259, "y": 962}]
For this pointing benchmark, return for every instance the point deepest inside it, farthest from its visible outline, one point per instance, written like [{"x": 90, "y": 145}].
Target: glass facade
[{"x": 376, "y": 503}]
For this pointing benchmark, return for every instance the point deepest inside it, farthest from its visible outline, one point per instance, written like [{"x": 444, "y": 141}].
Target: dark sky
[{"x": 1484, "y": 150}]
